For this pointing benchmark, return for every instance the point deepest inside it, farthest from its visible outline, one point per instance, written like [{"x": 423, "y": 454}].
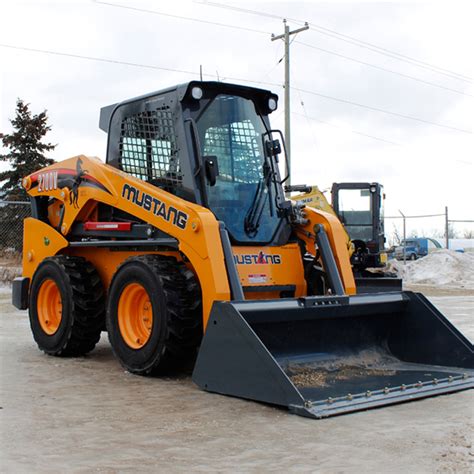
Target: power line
[
  {"x": 104, "y": 60},
  {"x": 240, "y": 79},
  {"x": 348, "y": 130},
  {"x": 267, "y": 74},
  {"x": 352, "y": 40},
  {"x": 393, "y": 55},
  {"x": 414, "y": 217},
  {"x": 384, "y": 111},
  {"x": 226, "y": 25},
  {"x": 187, "y": 18},
  {"x": 308, "y": 122},
  {"x": 380, "y": 68}
]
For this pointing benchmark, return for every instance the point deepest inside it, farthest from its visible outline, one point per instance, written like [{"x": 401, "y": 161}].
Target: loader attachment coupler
[{"x": 323, "y": 356}]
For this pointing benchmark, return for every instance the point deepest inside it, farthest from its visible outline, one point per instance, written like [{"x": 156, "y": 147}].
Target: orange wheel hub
[
  {"x": 135, "y": 315},
  {"x": 49, "y": 307}
]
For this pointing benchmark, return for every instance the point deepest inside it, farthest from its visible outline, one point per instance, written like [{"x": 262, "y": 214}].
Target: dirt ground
[{"x": 88, "y": 414}]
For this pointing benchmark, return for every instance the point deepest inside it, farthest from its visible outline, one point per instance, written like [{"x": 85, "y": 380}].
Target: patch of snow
[
  {"x": 444, "y": 268},
  {"x": 8, "y": 273}
]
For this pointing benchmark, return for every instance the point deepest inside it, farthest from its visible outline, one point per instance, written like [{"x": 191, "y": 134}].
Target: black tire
[
  {"x": 176, "y": 328},
  {"x": 413, "y": 256},
  {"x": 316, "y": 281},
  {"x": 83, "y": 306}
]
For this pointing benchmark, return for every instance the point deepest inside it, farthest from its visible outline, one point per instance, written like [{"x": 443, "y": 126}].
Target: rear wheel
[
  {"x": 67, "y": 306},
  {"x": 154, "y": 316}
]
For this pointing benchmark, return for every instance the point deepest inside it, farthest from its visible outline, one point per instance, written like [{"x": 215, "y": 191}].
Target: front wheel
[{"x": 154, "y": 315}]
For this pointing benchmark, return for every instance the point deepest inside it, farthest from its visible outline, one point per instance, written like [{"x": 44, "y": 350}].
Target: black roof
[{"x": 182, "y": 91}]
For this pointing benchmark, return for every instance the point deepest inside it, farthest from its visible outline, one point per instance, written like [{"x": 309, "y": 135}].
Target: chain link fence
[
  {"x": 448, "y": 232},
  {"x": 12, "y": 214}
]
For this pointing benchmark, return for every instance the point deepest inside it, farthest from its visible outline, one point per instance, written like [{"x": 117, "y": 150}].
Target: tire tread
[{"x": 87, "y": 306}]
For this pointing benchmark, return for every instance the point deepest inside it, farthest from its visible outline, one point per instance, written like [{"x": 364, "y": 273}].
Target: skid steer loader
[
  {"x": 184, "y": 243},
  {"x": 359, "y": 207}
]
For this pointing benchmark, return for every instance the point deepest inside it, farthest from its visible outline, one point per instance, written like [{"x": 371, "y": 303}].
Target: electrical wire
[
  {"x": 349, "y": 39},
  {"x": 277, "y": 63},
  {"x": 384, "y": 111},
  {"x": 348, "y": 130},
  {"x": 240, "y": 79},
  {"x": 414, "y": 217},
  {"x": 226, "y": 25},
  {"x": 310, "y": 124},
  {"x": 407, "y": 76},
  {"x": 169, "y": 15},
  {"x": 104, "y": 60}
]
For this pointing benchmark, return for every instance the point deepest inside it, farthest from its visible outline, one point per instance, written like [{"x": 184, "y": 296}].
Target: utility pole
[
  {"x": 446, "y": 227},
  {"x": 286, "y": 37},
  {"x": 404, "y": 238}
]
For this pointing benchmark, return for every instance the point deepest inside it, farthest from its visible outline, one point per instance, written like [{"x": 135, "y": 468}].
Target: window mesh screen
[
  {"x": 148, "y": 147},
  {"x": 237, "y": 148}
]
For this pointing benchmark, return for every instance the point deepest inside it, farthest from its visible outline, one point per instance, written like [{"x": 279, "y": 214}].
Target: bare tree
[
  {"x": 468, "y": 234},
  {"x": 452, "y": 233},
  {"x": 437, "y": 233},
  {"x": 396, "y": 235}
]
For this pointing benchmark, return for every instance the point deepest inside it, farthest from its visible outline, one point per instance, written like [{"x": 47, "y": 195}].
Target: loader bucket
[{"x": 324, "y": 356}]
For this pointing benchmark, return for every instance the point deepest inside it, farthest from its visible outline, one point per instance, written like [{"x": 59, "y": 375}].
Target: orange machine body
[{"x": 75, "y": 187}]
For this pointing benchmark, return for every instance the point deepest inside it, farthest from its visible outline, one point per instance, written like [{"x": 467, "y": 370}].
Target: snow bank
[{"x": 444, "y": 268}]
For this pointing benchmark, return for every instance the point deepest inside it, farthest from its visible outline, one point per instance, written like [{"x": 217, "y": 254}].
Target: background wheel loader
[
  {"x": 184, "y": 243},
  {"x": 359, "y": 207}
]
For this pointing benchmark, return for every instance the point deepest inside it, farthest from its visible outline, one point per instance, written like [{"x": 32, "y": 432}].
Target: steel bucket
[{"x": 324, "y": 356}]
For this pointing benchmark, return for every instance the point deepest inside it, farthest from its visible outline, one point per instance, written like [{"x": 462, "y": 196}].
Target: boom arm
[
  {"x": 79, "y": 181},
  {"x": 337, "y": 239}
]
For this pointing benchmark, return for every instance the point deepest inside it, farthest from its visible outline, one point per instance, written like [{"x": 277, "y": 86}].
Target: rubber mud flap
[
  {"x": 20, "y": 289},
  {"x": 324, "y": 356}
]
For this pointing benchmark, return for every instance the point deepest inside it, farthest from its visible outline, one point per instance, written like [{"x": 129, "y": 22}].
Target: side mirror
[
  {"x": 273, "y": 147},
  {"x": 212, "y": 169}
]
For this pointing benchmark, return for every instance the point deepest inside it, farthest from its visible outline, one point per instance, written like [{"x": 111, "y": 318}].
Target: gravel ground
[{"x": 87, "y": 414}]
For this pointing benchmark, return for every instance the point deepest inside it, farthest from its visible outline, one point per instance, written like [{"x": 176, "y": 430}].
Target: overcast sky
[{"x": 423, "y": 166}]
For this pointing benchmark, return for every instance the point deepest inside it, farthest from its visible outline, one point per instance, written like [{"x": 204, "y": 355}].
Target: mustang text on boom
[{"x": 154, "y": 205}]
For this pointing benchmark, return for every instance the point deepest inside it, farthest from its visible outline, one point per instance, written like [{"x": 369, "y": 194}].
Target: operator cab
[
  {"x": 209, "y": 143},
  {"x": 359, "y": 206}
]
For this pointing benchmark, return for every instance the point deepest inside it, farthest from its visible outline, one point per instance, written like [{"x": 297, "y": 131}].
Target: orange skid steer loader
[{"x": 183, "y": 247}]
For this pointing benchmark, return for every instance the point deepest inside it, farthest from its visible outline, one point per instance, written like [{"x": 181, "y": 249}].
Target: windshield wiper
[{"x": 255, "y": 211}]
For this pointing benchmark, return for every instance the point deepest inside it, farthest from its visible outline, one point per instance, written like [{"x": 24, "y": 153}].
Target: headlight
[
  {"x": 196, "y": 93},
  {"x": 272, "y": 104}
]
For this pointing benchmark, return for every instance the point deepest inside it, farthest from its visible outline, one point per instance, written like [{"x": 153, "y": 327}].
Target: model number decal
[{"x": 47, "y": 181}]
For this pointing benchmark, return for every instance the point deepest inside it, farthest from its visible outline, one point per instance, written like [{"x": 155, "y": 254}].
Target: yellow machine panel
[{"x": 270, "y": 267}]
